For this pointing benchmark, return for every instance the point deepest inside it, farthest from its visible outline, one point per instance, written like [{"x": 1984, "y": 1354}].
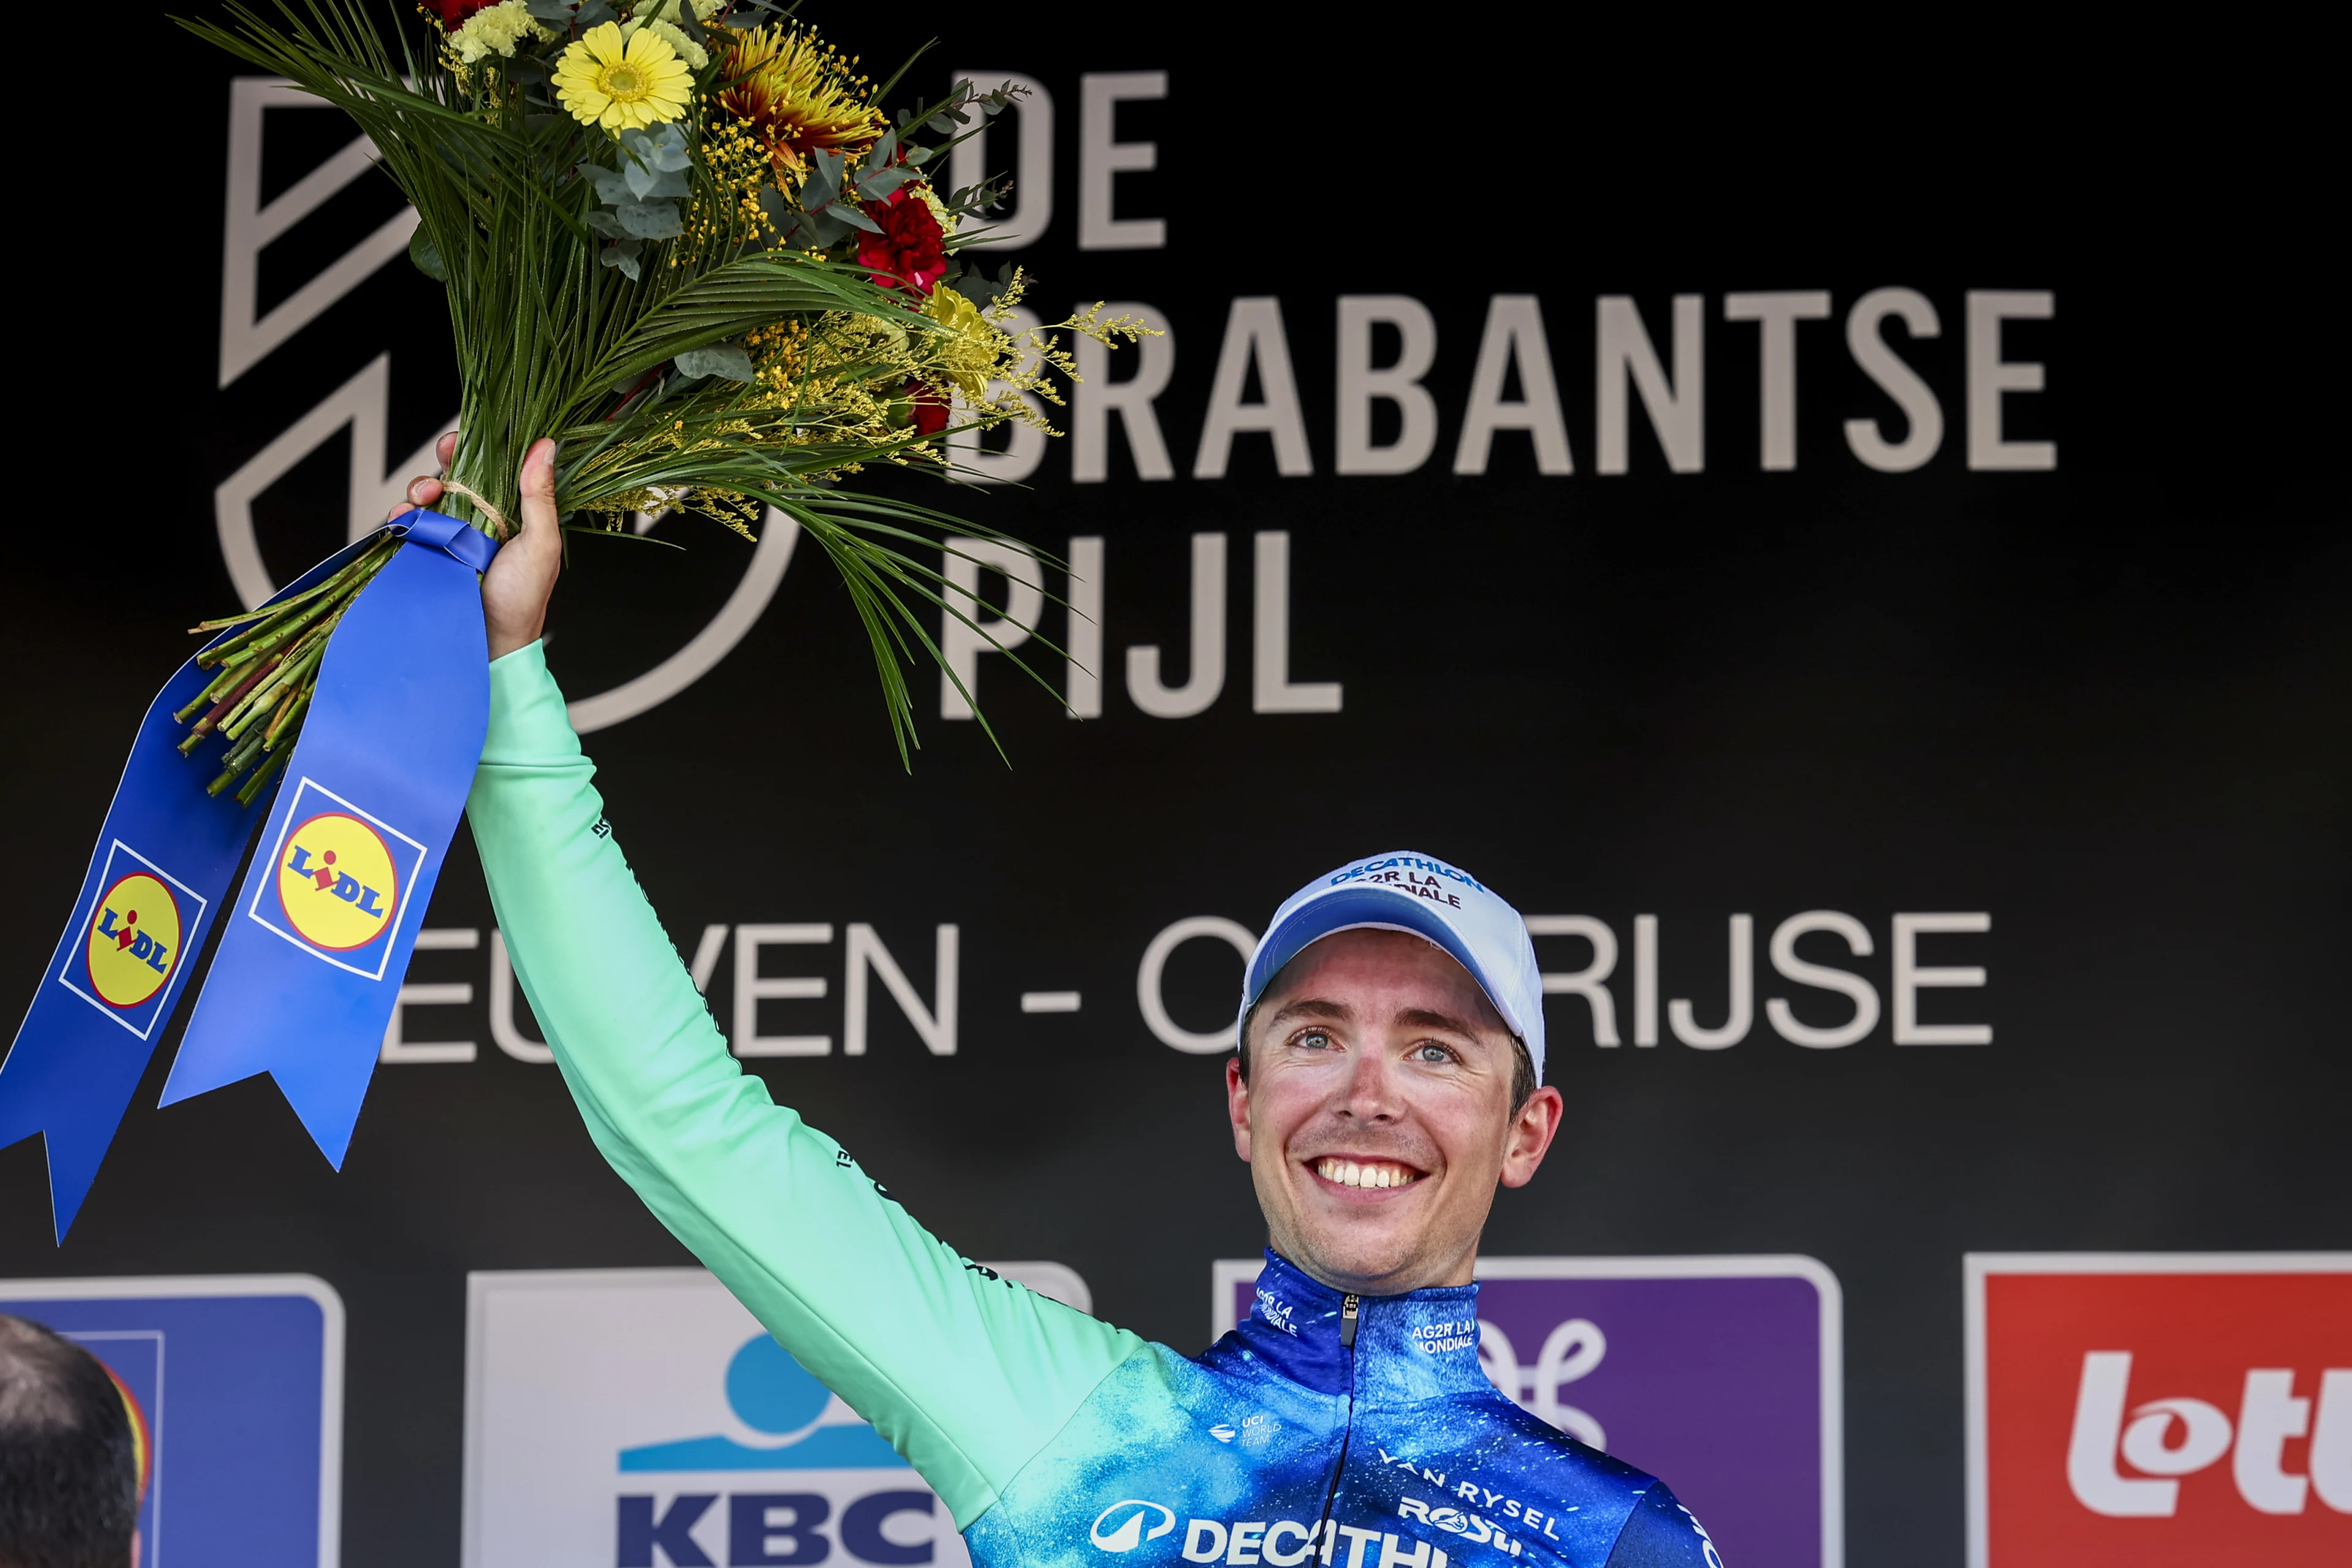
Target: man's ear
[
  {"x": 1533, "y": 1126},
  {"x": 1237, "y": 1106}
]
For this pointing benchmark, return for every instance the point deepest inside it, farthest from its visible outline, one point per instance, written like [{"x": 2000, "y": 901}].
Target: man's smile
[{"x": 1340, "y": 1170}]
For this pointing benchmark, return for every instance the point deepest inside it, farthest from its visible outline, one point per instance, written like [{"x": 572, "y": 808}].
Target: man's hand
[{"x": 516, "y": 587}]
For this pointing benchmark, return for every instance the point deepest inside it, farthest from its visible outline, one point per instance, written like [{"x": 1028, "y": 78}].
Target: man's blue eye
[
  {"x": 1315, "y": 1040},
  {"x": 1435, "y": 1054}
]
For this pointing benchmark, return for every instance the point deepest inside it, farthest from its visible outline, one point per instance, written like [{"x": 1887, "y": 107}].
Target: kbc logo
[{"x": 2159, "y": 1410}]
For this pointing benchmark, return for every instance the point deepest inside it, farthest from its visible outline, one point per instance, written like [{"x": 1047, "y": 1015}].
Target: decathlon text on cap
[{"x": 1421, "y": 894}]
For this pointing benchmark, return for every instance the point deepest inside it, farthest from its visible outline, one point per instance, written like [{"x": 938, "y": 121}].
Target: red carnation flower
[
  {"x": 910, "y": 250},
  {"x": 930, "y": 410},
  {"x": 452, "y": 13}
]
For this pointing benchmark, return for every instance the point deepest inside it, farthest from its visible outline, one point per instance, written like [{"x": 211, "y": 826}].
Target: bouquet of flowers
[{"x": 683, "y": 238}]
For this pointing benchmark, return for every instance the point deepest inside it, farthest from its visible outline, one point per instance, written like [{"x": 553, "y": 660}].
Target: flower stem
[
  {"x": 275, "y": 760},
  {"x": 210, "y": 721}
]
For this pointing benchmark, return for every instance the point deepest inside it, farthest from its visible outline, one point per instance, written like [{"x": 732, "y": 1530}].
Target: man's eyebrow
[
  {"x": 1423, "y": 1019},
  {"x": 1312, "y": 1008}
]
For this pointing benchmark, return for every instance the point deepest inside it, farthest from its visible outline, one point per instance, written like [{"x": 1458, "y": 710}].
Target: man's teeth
[{"x": 1366, "y": 1174}]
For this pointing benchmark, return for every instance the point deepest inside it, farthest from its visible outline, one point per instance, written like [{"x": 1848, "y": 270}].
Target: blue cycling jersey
[{"x": 1353, "y": 1432}]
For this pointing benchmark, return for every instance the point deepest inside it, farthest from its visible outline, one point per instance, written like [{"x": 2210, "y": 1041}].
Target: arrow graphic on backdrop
[{"x": 392, "y": 736}]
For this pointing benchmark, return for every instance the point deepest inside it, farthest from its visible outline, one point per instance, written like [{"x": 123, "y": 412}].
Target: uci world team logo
[
  {"x": 132, "y": 940},
  {"x": 339, "y": 881}
]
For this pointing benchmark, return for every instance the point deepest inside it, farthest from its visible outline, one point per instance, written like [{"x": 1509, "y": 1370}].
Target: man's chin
[{"x": 1347, "y": 1259}]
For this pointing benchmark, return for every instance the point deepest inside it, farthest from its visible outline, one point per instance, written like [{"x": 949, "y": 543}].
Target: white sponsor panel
[{"x": 643, "y": 1416}]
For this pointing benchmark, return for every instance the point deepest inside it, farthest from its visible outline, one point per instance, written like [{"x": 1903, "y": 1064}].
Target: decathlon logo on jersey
[
  {"x": 342, "y": 878},
  {"x": 1130, "y": 1522},
  {"x": 2163, "y": 1409},
  {"x": 131, "y": 936}
]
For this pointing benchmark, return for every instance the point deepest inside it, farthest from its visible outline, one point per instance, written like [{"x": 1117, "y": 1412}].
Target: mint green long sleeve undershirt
[{"x": 968, "y": 1375}]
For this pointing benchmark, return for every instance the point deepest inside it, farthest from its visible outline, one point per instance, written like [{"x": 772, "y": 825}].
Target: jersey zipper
[{"x": 1324, "y": 1533}]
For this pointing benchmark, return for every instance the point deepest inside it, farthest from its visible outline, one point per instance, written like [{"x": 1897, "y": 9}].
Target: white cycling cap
[{"x": 1439, "y": 903}]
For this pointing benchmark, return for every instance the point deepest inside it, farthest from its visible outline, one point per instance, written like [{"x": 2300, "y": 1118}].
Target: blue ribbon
[
  {"x": 317, "y": 938},
  {"x": 403, "y": 699}
]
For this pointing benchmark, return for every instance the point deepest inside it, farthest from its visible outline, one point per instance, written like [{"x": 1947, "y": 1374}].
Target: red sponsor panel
[{"x": 2157, "y": 1411}]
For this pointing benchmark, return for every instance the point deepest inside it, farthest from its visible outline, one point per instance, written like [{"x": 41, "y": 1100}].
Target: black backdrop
[{"x": 2104, "y": 703}]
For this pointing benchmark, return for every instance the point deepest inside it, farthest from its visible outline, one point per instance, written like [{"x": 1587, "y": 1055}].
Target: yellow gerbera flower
[{"x": 622, "y": 84}]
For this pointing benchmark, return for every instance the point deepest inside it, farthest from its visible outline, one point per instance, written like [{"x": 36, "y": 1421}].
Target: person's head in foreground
[
  {"x": 1390, "y": 1074},
  {"x": 69, "y": 1466}
]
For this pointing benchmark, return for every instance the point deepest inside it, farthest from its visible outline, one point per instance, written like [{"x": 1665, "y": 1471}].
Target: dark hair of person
[
  {"x": 68, "y": 1463},
  {"x": 1523, "y": 1067}
]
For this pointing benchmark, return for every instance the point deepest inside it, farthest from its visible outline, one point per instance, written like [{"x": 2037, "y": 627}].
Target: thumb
[
  {"x": 516, "y": 588},
  {"x": 537, "y": 481}
]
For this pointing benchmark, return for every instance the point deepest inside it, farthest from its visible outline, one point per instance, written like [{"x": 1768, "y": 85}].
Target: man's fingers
[
  {"x": 515, "y": 589},
  {"x": 422, "y": 491},
  {"x": 445, "y": 449},
  {"x": 537, "y": 482}
]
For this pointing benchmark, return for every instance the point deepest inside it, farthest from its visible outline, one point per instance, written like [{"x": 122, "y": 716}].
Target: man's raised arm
[{"x": 968, "y": 1375}]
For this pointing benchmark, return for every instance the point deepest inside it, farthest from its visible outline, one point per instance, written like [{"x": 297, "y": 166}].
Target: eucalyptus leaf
[
  {"x": 649, "y": 220},
  {"x": 605, "y": 224},
  {"x": 654, "y": 184},
  {"x": 612, "y": 186},
  {"x": 591, "y": 12},
  {"x": 427, "y": 256},
  {"x": 556, "y": 11},
  {"x": 882, "y": 181},
  {"x": 848, "y": 213},
  {"x": 623, "y": 256},
  {"x": 823, "y": 182},
  {"x": 727, "y": 360},
  {"x": 661, "y": 147}
]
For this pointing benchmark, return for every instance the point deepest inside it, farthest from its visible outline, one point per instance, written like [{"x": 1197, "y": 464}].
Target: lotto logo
[{"x": 2159, "y": 1410}]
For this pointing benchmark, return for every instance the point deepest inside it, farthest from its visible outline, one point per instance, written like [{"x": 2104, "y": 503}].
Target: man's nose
[{"x": 1372, "y": 1092}]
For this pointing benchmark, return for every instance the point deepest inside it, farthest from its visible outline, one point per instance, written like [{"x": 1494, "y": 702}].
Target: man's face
[{"x": 1377, "y": 1118}]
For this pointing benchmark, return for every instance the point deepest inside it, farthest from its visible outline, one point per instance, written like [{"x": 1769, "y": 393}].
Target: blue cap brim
[{"x": 1355, "y": 908}]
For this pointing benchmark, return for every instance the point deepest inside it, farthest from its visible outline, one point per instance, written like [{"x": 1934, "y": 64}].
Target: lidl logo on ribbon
[
  {"x": 133, "y": 939},
  {"x": 338, "y": 906},
  {"x": 341, "y": 875}
]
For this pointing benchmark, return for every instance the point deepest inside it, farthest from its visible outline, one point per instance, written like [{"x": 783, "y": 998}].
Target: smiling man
[{"x": 1388, "y": 1078}]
